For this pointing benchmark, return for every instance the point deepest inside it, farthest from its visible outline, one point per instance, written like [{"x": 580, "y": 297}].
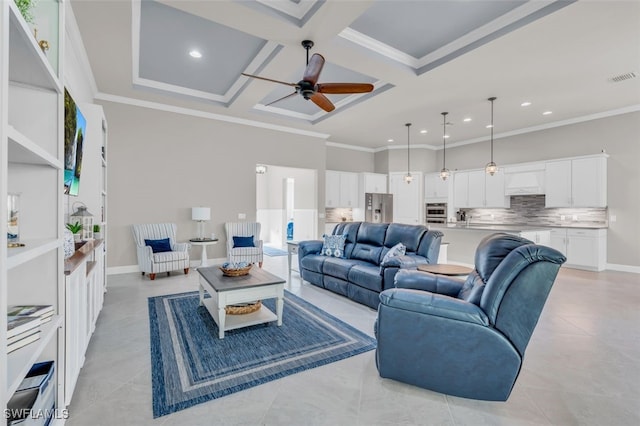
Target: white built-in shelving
[{"x": 31, "y": 164}]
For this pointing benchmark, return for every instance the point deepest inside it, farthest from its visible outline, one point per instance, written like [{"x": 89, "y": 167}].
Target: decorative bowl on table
[{"x": 235, "y": 269}]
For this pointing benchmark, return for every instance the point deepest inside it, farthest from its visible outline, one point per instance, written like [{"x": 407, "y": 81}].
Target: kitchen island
[{"x": 464, "y": 238}]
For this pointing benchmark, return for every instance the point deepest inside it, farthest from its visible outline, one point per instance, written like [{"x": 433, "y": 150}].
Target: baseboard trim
[
  {"x": 623, "y": 268},
  {"x": 193, "y": 264}
]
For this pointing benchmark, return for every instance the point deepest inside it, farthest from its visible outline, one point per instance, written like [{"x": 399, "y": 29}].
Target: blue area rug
[
  {"x": 272, "y": 251},
  {"x": 190, "y": 365}
]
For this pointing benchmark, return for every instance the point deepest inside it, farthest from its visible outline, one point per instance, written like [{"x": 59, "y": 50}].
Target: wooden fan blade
[
  {"x": 282, "y": 98},
  {"x": 270, "y": 79},
  {"x": 314, "y": 68},
  {"x": 322, "y": 101},
  {"x": 344, "y": 88}
]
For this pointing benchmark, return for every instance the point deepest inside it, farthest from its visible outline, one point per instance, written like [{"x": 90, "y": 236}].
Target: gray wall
[
  {"x": 381, "y": 162},
  {"x": 161, "y": 164},
  {"x": 618, "y": 135},
  {"x": 421, "y": 160},
  {"x": 349, "y": 160}
]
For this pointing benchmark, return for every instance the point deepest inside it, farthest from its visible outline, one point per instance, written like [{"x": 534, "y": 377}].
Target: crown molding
[{"x": 203, "y": 114}]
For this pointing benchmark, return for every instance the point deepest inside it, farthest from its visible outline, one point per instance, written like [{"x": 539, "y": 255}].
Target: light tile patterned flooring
[{"x": 582, "y": 366}]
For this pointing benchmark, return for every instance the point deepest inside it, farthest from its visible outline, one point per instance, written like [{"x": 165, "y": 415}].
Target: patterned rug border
[{"x": 162, "y": 407}]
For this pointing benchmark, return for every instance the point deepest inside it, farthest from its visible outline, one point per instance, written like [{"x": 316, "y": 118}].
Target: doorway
[{"x": 284, "y": 195}]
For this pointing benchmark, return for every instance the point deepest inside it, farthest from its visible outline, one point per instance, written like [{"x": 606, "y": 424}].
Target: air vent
[{"x": 623, "y": 77}]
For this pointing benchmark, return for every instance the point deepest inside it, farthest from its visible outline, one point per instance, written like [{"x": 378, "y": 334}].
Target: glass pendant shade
[
  {"x": 408, "y": 178},
  {"x": 491, "y": 168},
  {"x": 444, "y": 174}
]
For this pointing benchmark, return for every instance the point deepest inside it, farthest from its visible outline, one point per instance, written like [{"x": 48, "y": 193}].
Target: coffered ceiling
[{"x": 423, "y": 57}]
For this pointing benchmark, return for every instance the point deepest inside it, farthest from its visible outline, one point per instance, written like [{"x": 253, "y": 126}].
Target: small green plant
[
  {"x": 25, "y": 7},
  {"x": 74, "y": 227},
  {"x": 96, "y": 228}
]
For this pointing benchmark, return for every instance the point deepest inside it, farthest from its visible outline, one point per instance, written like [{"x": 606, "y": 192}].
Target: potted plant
[
  {"x": 75, "y": 228},
  {"x": 25, "y": 7},
  {"x": 96, "y": 232}
]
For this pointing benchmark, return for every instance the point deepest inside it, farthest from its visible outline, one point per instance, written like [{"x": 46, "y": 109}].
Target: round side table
[
  {"x": 445, "y": 269},
  {"x": 204, "y": 262}
]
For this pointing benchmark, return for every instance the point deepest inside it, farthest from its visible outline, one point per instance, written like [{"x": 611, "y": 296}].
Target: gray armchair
[{"x": 468, "y": 338}]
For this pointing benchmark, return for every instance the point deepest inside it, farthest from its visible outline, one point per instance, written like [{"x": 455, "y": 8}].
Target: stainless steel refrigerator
[{"x": 378, "y": 208}]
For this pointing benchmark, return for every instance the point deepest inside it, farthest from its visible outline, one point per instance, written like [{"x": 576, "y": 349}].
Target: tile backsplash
[
  {"x": 337, "y": 215},
  {"x": 530, "y": 210}
]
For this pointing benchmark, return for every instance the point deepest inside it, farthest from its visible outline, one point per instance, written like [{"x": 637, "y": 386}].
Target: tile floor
[{"x": 582, "y": 366}]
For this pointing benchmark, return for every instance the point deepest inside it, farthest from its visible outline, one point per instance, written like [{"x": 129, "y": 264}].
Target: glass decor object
[{"x": 13, "y": 218}]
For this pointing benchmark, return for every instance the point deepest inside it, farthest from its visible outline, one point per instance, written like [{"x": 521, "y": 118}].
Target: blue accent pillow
[
  {"x": 243, "y": 242},
  {"x": 333, "y": 245},
  {"x": 158, "y": 246}
]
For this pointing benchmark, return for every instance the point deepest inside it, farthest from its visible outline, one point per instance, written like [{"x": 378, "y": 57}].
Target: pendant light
[
  {"x": 491, "y": 167},
  {"x": 444, "y": 173},
  {"x": 408, "y": 178}
]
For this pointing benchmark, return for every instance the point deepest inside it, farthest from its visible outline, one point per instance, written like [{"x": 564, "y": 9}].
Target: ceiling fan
[{"x": 309, "y": 87}]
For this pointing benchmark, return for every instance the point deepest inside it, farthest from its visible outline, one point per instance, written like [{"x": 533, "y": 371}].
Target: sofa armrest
[
  {"x": 427, "y": 303},
  {"x": 309, "y": 247},
  {"x": 418, "y": 280},
  {"x": 180, "y": 247}
]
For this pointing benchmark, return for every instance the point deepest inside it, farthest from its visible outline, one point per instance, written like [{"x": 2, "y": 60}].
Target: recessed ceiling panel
[
  {"x": 297, "y": 12},
  {"x": 168, "y": 35},
  {"x": 420, "y": 27}
]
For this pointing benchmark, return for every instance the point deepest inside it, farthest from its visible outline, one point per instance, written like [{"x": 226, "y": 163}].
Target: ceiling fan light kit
[{"x": 309, "y": 87}]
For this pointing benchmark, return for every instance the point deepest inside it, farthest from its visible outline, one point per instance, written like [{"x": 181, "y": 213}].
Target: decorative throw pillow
[
  {"x": 243, "y": 242},
  {"x": 333, "y": 245},
  {"x": 397, "y": 250},
  {"x": 158, "y": 246}
]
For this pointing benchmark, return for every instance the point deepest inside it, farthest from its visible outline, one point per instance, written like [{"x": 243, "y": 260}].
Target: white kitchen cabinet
[
  {"x": 461, "y": 189},
  {"x": 579, "y": 182},
  {"x": 477, "y": 189},
  {"x": 541, "y": 237},
  {"x": 373, "y": 182},
  {"x": 332, "y": 189},
  {"x": 341, "y": 189},
  {"x": 435, "y": 189},
  {"x": 408, "y": 201},
  {"x": 348, "y": 189},
  {"x": 584, "y": 248}
]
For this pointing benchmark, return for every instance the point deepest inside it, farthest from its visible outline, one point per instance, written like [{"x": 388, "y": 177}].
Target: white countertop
[{"x": 505, "y": 227}]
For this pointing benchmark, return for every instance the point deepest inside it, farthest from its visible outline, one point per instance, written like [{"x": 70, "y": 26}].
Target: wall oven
[{"x": 436, "y": 212}]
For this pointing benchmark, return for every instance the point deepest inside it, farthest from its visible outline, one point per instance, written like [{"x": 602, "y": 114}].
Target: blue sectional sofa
[{"x": 360, "y": 274}]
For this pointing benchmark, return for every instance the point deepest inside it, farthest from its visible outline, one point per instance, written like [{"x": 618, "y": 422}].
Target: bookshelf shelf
[
  {"x": 32, "y": 249},
  {"x": 23, "y": 150},
  {"x": 20, "y": 361}
]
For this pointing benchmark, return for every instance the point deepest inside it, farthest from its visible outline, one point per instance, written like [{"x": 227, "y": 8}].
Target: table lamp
[{"x": 200, "y": 215}]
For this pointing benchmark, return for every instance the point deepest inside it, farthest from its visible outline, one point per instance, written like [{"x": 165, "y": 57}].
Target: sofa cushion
[
  {"x": 409, "y": 235},
  {"x": 313, "y": 262},
  {"x": 339, "y": 268},
  {"x": 243, "y": 241},
  {"x": 372, "y": 233},
  {"x": 366, "y": 276},
  {"x": 367, "y": 252},
  {"x": 333, "y": 245},
  {"x": 350, "y": 229}
]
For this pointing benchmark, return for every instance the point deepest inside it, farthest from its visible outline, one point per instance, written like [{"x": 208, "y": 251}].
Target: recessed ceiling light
[
  {"x": 547, "y": 113},
  {"x": 525, "y": 104},
  {"x": 446, "y": 136},
  {"x": 466, "y": 120},
  {"x": 389, "y": 140},
  {"x": 488, "y": 126},
  {"x": 195, "y": 54},
  {"x": 423, "y": 131}
]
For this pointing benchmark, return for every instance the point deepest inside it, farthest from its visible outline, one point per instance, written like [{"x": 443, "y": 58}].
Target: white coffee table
[{"x": 257, "y": 285}]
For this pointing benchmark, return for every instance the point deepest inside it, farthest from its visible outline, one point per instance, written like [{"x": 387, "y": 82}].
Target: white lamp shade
[{"x": 200, "y": 213}]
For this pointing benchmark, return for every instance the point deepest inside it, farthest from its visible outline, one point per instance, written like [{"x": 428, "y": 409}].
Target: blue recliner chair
[{"x": 466, "y": 338}]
